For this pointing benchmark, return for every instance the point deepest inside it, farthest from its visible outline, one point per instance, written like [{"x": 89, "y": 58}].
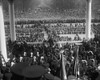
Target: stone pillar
[
  {"x": 88, "y": 19},
  {"x": 12, "y": 20},
  {"x": 3, "y": 49}
]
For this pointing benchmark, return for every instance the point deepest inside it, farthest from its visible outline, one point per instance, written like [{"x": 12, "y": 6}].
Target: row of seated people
[
  {"x": 52, "y": 25},
  {"x": 57, "y": 30},
  {"x": 40, "y": 39},
  {"x": 60, "y": 26}
]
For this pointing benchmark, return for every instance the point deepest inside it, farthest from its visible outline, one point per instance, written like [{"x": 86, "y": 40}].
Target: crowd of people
[
  {"x": 43, "y": 13},
  {"x": 48, "y": 13},
  {"x": 83, "y": 63},
  {"x": 43, "y": 60},
  {"x": 82, "y": 60},
  {"x": 32, "y": 31},
  {"x": 35, "y": 32}
]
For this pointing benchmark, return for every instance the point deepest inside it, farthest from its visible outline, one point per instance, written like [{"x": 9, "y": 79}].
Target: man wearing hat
[
  {"x": 8, "y": 75},
  {"x": 37, "y": 72}
]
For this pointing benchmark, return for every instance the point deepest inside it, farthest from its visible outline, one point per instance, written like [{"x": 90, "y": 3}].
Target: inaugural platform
[{"x": 49, "y": 40}]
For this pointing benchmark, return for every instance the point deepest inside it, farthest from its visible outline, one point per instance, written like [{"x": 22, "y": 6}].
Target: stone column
[
  {"x": 88, "y": 19},
  {"x": 12, "y": 20},
  {"x": 3, "y": 49}
]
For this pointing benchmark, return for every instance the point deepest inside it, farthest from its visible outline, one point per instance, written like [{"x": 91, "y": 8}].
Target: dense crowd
[
  {"x": 35, "y": 32},
  {"x": 43, "y": 13},
  {"x": 84, "y": 63},
  {"x": 48, "y": 13},
  {"x": 43, "y": 60}
]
